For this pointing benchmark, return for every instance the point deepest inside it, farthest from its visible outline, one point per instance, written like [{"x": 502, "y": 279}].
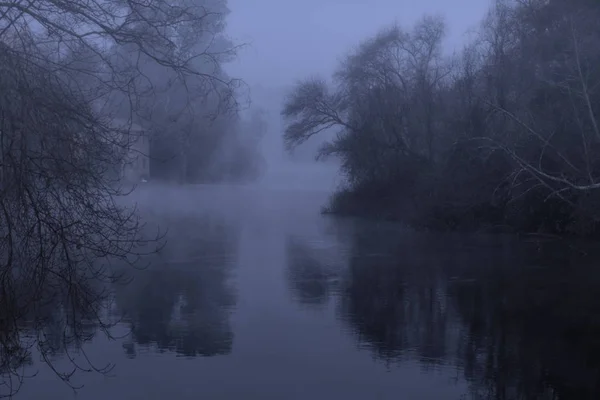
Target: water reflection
[
  {"x": 52, "y": 313},
  {"x": 179, "y": 303},
  {"x": 519, "y": 320},
  {"x": 310, "y": 276},
  {"x": 315, "y": 262},
  {"x": 394, "y": 297},
  {"x": 532, "y": 331},
  {"x": 434, "y": 316},
  {"x": 182, "y": 302}
]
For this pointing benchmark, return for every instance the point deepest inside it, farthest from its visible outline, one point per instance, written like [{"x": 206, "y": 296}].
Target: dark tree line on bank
[{"x": 504, "y": 135}]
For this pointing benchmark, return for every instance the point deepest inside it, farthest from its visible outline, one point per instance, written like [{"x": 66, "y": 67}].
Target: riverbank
[{"x": 423, "y": 210}]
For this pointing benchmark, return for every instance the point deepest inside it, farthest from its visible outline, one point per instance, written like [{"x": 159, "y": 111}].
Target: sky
[{"x": 291, "y": 39}]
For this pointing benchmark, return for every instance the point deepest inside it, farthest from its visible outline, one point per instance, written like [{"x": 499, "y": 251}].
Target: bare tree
[
  {"x": 505, "y": 135},
  {"x": 555, "y": 134},
  {"x": 61, "y": 221},
  {"x": 384, "y": 101}
]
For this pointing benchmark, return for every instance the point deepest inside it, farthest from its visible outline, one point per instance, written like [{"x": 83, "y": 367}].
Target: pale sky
[{"x": 290, "y": 39}]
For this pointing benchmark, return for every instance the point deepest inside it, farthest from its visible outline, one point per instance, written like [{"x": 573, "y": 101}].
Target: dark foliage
[{"x": 504, "y": 137}]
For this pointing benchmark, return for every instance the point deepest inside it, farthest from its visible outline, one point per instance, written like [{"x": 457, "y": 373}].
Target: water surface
[{"x": 258, "y": 296}]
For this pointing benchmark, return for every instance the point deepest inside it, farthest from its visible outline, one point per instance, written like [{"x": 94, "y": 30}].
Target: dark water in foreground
[{"x": 257, "y": 296}]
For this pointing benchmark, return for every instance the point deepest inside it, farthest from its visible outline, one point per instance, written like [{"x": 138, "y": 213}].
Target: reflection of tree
[
  {"x": 181, "y": 302},
  {"x": 532, "y": 333},
  {"x": 394, "y": 300},
  {"x": 53, "y": 312},
  {"x": 56, "y": 319},
  {"x": 14, "y": 354},
  {"x": 521, "y": 320}
]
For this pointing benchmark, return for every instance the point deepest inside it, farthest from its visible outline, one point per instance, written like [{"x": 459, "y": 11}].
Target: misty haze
[{"x": 277, "y": 199}]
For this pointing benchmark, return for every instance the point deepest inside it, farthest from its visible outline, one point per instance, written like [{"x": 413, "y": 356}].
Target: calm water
[{"x": 257, "y": 296}]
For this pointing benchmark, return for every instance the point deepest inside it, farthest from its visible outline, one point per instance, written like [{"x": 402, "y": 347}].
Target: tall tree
[{"x": 63, "y": 64}]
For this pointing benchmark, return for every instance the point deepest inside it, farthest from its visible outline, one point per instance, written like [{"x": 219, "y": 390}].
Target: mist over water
[
  {"x": 455, "y": 260},
  {"x": 256, "y": 295},
  {"x": 299, "y": 176}
]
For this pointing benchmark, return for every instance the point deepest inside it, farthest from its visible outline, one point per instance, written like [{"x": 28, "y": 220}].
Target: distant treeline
[{"x": 504, "y": 135}]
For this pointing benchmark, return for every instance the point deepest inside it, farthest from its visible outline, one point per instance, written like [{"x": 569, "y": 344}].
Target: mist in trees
[
  {"x": 503, "y": 135},
  {"x": 81, "y": 83},
  {"x": 196, "y": 132}
]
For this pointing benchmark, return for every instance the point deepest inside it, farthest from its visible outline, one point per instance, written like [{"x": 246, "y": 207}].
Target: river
[{"x": 256, "y": 295}]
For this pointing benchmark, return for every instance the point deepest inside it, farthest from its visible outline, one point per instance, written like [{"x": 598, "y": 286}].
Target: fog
[
  {"x": 285, "y": 41},
  {"x": 267, "y": 199}
]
